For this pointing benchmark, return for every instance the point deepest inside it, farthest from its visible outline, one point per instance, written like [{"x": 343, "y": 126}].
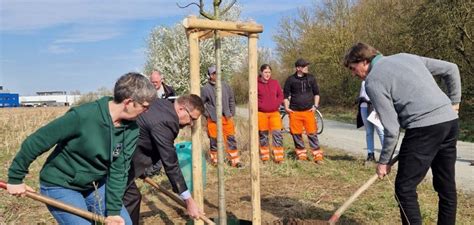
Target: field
[{"x": 292, "y": 191}]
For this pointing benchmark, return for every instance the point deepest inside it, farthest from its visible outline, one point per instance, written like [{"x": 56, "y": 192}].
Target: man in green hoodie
[{"x": 94, "y": 143}]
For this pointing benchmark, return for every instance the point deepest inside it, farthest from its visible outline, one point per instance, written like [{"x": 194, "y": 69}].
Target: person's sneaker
[
  {"x": 370, "y": 157},
  {"x": 370, "y": 161}
]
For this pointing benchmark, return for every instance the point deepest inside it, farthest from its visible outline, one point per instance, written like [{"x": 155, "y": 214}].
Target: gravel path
[{"x": 346, "y": 137}]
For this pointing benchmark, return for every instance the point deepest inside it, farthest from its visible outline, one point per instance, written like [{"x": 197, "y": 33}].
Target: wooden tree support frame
[{"x": 200, "y": 29}]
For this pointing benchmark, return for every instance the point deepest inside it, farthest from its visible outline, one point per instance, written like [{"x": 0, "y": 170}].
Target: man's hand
[
  {"x": 114, "y": 220},
  {"x": 313, "y": 108},
  {"x": 383, "y": 170},
  {"x": 193, "y": 211},
  {"x": 456, "y": 107},
  {"x": 19, "y": 189},
  {"x": 288, "y": 110}
]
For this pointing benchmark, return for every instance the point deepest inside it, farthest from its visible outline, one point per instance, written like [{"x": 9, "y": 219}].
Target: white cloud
[
  {"x": 21, "y": 15},
  {"x": 59, "y": 49},
  {"x": 17, "y": 15},
  {"x": 89, "y": 34}
]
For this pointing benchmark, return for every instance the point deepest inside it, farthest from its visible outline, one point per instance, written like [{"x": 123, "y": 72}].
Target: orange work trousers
[
  {"x": 306, "y": 120},
  {"x": 270, "y": 122},
  {"x": 230, "y": 143}
]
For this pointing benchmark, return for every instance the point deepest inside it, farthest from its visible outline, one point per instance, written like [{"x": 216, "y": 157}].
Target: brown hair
[
  {"x": 360, "y": 52},
  {"x": 265, "y": 66},
  {"x": 191, "y": 101}
]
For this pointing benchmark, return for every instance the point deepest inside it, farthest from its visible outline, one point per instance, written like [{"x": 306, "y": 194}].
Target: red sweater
[{"x": 270, "y": 95}]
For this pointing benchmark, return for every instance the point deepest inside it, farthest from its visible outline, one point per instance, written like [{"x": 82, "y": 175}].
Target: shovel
[
  {"x": 175, "y": 198},
  {"x": 61, "y": 205},
  {"x": 335, "y": 217}
]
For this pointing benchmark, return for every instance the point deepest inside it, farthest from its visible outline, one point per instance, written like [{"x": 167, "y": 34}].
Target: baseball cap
[
  {"x": 301, "y": 62},
  {"x": 211, "y": 70}
]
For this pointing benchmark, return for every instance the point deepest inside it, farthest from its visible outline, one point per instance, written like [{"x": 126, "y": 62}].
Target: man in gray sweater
[
  {"x": 405, "y": 95},
  {"x": 208, "y": 95}
]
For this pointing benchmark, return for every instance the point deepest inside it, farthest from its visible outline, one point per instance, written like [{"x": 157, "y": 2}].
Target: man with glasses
[
  {"x": 159, "y": 127},
  {"x": 301, "y": 99}
]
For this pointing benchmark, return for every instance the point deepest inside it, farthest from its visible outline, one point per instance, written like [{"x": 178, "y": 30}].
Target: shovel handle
[
  {"x": 60, "y": 205},
  {"x": 335, "y": 217},
  {"x": 175, "y": 198}
]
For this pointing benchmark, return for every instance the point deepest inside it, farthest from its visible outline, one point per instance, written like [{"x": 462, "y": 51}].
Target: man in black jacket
[
  {"x": 301, "y": 94},
  {"x": 163, "y": 90},
  {"x": 159, "y": 126}
]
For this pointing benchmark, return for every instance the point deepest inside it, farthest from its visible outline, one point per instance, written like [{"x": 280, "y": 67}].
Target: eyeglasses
[
  {"x": 144, "y": 105},
  {"x": 189, "y": 114}
]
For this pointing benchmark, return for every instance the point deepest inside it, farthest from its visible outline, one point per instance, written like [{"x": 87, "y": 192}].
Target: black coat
[{"x": 159, "y": 127}]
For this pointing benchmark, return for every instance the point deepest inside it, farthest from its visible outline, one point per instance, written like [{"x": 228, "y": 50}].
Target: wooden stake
[
  {"x": 196, "y": 134},
  {"x": 253, "y": 129}
]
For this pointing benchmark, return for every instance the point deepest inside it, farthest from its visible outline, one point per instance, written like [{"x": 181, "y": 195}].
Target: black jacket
[
  {"x": 301, "y": 91},
  {"x": 169, "y": 92},
  {"x": 159, "y": 126}
]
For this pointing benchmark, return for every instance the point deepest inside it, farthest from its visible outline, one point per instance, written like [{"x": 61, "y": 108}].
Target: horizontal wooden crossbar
[{"x": 192, "y": 22}]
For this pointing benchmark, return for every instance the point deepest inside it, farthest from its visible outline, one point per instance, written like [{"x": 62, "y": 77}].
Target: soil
[{"x": 279, "y": 201}]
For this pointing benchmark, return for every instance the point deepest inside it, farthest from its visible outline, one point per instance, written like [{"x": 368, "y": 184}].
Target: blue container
[{"x": 184, "y": 150}]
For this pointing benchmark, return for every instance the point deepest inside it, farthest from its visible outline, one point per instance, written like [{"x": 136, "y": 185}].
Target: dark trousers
[
  {"x": 132, "y": 199},
  {"x": 432, "y": 146}
]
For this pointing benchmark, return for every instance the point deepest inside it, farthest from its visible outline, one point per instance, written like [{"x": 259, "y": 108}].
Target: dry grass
[{"x": 298, "y": 191}]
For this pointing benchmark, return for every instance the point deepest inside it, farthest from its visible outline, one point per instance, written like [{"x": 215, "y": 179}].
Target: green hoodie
[{"x": 85, "y": 139}]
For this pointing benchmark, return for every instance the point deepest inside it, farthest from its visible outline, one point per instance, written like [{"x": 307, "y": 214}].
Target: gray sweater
[
  {"x": 208, "y": 96},
  {"x": 405, "y": 94}
]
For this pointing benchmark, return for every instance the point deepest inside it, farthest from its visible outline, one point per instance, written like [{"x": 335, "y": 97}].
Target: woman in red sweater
[{"x": 270, "y": 97}]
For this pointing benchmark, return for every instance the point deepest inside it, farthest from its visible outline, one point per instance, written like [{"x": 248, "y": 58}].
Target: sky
[{"x": 69, "y": 45}]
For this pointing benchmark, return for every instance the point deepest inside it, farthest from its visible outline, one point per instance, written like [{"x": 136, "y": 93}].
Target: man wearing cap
[
  {"x": 208, "y": 95},
  {"x": 163, "y": 90},
  {"x": 301, "y": 94}
]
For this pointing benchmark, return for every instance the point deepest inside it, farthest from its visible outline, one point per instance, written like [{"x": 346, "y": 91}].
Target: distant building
[
  {"x": 49, "y": 98},
  {"x": 9, "y": 100}
]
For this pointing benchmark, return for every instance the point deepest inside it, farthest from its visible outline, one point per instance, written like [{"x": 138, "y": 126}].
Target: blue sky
[{"x": 83, "y": 45}]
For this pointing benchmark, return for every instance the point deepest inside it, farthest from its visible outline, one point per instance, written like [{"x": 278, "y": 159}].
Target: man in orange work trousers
[
  {"x": 208, "y": 95},
  {"x": 301, "y": 94}
]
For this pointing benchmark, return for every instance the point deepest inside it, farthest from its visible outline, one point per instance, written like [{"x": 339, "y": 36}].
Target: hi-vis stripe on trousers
[
  {"x": 306, "y": 120},
  {"x": 230, "y": 143},
  {"x": 270, "y": 122}
]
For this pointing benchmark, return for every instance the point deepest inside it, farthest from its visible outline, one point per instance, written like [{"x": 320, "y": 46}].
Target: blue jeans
[
  {"x": 369, "y": 130},
  {"x": 90, "y": 200}
]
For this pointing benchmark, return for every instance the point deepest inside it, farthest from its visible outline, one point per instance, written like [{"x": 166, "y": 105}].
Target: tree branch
[
  {"x": 224, "y": 11},
  {"x": 186, "y": 6}
]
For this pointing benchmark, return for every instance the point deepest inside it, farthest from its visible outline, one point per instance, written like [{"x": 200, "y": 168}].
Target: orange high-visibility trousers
[
  {"x": 230, "y": 143},
  {"x": 306, "y": 120},
  {"x": 270, "y": 122}
]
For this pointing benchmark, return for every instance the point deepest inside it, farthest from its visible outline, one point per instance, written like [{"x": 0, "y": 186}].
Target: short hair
[
  {"x": 360, "y": 52},
  {"x": 135, "y": 86},
  {"x": 191, "y": 101},
  {"x": 158, "y": 71},
  {"x": 265, "y": 66}
]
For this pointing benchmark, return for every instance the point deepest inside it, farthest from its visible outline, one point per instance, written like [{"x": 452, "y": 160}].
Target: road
[{"x": 346, "y": 137}]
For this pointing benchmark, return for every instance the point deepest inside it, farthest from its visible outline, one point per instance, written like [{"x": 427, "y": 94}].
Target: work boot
[
  {"x": 318, "y": 156},
  {"x": 212, "y": 157}
]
